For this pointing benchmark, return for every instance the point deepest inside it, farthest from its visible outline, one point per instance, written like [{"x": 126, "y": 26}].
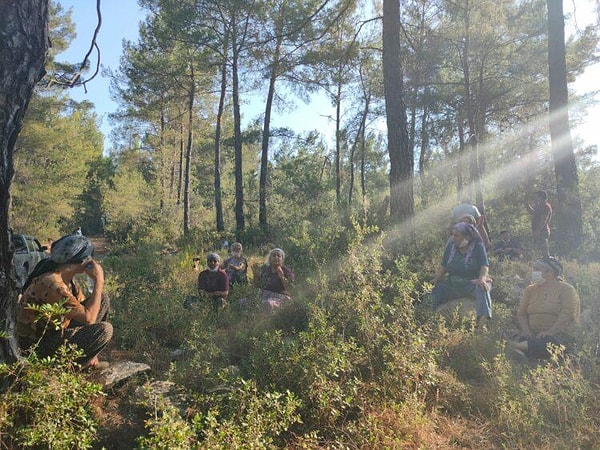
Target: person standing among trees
[{"x": 541, "y": 214}]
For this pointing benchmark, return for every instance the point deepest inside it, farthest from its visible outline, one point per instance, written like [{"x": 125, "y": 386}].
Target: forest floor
[
  {"x": 101, "y": 245},
  {"x": 120, "y": 419}
]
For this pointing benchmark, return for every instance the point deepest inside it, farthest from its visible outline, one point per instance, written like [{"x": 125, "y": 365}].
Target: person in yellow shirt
[{"x": 548, "y": 311}]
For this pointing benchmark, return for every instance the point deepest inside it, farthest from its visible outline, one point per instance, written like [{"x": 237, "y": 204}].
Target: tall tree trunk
[
  {"x": 163, "y": 182},
  {"x": 400, "y": 153},
  {"x": 181, "y": 161},
  {"x": 424, "y": 138},
  {"x": 218, "y": 199},
  {"x": 359, "y": 137},
  {"x": 460, "y": 182},
  {"x": 471, "y": 110},
  {"x": 188, "y": 153},
  {"x": 363, "y": 166},
  {"x": 338, "y": 138},
  {"x": 23, "y": 46},
  {"x": 569, "y": 223},
  {"x": 264, "y": 157},
  {"x": 237, "y": 141}
]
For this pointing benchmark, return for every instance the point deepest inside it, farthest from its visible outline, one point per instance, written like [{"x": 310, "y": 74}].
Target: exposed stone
[
  {"x": 162, "y": 394},
  {"x": 119, "y": 371},
  {"x": 153, "y": 389}
]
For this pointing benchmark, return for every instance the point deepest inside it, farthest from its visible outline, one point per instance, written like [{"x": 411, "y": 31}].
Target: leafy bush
[
  {"x": 166, "y": 429},
  {"x": 355, "y": 352},
  {"x": 243, "y": 416},
  {"x": 537, "y": 407},
  {"x": 48, "y": 403}
]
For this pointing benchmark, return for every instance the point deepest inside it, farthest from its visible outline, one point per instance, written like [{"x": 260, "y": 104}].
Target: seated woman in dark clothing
[
  {"x": 548, "y": 312},
  {"x": 213, "y": 282},
  {"x": 466, "y": 263},
  {"x": 53, "y": 282},
  {"x": 275, "y": 280}
]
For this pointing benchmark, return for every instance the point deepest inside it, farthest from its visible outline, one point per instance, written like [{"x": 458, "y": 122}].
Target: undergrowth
[{"x": 356, "y": 360}]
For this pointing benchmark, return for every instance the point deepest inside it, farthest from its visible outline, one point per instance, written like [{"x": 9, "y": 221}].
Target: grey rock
[{"x": 119, "y": 371}]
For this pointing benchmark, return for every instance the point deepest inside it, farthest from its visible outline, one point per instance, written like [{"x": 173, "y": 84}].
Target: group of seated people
[
  {"x": 82, "y": 320},
  {"x": 548, "y": 310},
  {"x": 214, "y": 281}
]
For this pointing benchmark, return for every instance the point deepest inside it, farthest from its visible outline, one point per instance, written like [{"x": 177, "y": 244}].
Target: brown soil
[{"x": 101, "y": 245}]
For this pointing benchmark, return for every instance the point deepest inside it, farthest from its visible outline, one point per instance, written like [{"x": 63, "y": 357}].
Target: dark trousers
[
  {"x": 91, "y": 339},
  {"x": 537, "y": 348}
]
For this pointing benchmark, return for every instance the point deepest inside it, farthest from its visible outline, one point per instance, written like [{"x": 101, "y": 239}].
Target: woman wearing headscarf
[
  {"x": 213, "y": 283},
  {"x": 236, "y": 265},
  {"x": 466, "y": 265},
  {"x": 53, "y": 282},
  {"x": 275, "y": 280},
  {"x": 548, "y": 311}
]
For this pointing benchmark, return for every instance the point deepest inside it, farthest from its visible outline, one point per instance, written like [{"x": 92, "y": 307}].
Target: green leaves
[{"x": 51, "y": 313}]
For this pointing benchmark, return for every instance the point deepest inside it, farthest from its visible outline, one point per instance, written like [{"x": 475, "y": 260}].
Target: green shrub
[
  {"x": 548, "y": 404},
  {"x": 48, "y": 403},
  {"x": 166, "y": 430},
  {"x": 356, "y": 340},
  {"x": 243, "y": 416}
]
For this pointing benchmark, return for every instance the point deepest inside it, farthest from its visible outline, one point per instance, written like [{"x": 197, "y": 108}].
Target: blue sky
[{"x": 120, "y": 19}]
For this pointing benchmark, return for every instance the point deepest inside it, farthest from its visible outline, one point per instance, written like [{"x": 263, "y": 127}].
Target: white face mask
[
  {"x": 463, "y": 243},
  {"x": 236, "y": 254},
  {"x": 536, "y": 277}
]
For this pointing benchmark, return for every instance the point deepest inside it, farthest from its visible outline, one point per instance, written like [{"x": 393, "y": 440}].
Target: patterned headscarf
[
  {"x": 70, "y": 249},
  {"x": 473, "y": 237},
  {"x": 553, "y": 264}
]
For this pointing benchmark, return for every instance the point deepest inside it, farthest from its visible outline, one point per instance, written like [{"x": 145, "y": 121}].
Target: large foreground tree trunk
[
  {"x": 569, "y": 223},
  {"x": 23, "y": 46},
  {"x": 400, "y": 152}
]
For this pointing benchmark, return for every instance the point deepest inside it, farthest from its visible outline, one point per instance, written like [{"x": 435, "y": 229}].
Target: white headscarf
[{"x": 275, "y": 250}]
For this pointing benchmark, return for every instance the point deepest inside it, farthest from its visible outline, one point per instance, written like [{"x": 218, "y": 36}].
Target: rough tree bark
[
  {"x": 23, "y": 47},
  {"x": 218, "y": 126},
  {"x": 569, "y": 223},
  {"x": 188, "y": 152},
  {"x": 264, "y": 158},
  {"x": 240, "y": 222},
  {"x": 400, "y": 152}
]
